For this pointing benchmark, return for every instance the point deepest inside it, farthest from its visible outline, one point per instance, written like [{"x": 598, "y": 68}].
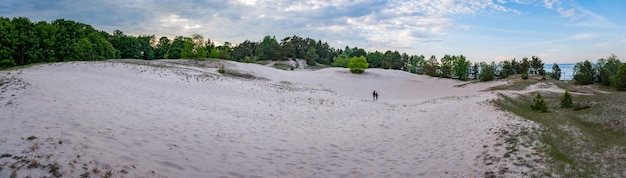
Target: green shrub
[
  {"x": 249, "y": 59},
  {"x": 566, "y": 100},
  {"x": 6, "y": 63},
  {"x": 221, "y": 70},
  {"x": 358, "y": 65},
  {"x": 487, "y": 72},
  {"x": 539, "y": 104},
  {"x": 524, "y": 76}
]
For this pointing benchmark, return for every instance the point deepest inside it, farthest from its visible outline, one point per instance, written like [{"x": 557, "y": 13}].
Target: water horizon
[{"x": 567, "y": 70}]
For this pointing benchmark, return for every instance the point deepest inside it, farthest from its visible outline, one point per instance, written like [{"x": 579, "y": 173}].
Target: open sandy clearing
[{"x": 178, "y": 119}]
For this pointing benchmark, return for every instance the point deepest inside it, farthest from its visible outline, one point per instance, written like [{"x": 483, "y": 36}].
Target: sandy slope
[{"x": 165, "y": 118}]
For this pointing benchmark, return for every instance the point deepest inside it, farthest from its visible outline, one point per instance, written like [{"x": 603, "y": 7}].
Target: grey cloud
[{"x": 235, "y": 21}]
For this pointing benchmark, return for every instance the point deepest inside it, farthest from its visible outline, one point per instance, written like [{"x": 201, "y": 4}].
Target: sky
[{"x": 557, "y": 31}]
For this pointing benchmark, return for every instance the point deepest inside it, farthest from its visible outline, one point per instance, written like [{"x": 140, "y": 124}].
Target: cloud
[
  {"x": 557, "y": 5},
  {"x": 366, "y": 23},
  {"x": 550, "y": 3},
  {"x": 581, "y": 36},
  {"x": 504, "y": 58}
]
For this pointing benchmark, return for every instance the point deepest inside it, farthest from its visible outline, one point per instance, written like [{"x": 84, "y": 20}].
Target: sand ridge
[{"x": 183, "y": 119}]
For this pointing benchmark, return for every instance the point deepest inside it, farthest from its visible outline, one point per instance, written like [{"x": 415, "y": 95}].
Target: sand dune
[{"x": 180, "y": 119}]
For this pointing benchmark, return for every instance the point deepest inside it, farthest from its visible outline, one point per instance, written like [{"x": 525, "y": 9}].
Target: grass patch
[
  {"x": 283, "y": 66},
  {"x": 467, "y": 83},
  {"x": 33, "y": 164},
  {"x": 6, "y": 155},
  {"x": 318, "y": 67},
  {"x": 54, "y": 169},
  {"x": 581, "y": 143},
  {"x": 262, "y": 62},
  {"x": 34, "y": 147},
  {"x": 233, "y": 73},
  {"x": 21, "y": 67},
  {"x": 108, "y": 174},
  {"x": 516, "y": 83}
]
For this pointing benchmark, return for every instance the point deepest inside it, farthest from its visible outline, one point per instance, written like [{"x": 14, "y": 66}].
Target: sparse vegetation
[
  {"x": 54, "y": 169},
  {"x": 234, "y": 73},
  {"x": 33, "y": 164},
  {"x": 95, "y": 170},
  {"x": 108, "y": 174},
  {"x": 6, "y": 155},
  {"x": 222, "y": 70},
  {"x": 585, "y": 143},
  {"x": 85, "y": 175},
  {"x": 524, "y": 76},
  {"x": 283, "y": 66},
  {"x": 34, "y": 147}
]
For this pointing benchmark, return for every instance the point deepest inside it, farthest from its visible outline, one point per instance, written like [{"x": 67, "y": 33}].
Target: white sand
[{"x": 185, "y": 121}]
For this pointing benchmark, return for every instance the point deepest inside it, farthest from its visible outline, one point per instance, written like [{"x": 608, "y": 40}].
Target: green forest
[{"x": 24, "y": 42}]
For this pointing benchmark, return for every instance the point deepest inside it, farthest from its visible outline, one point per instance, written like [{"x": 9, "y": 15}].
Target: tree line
[
  {"x": 24, "y": 42},
  {"x": 606, "y": 71}
]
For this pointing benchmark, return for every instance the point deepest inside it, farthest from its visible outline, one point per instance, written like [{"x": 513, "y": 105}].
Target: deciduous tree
[
  {"x": 584, "y": 73},
  {"x": 431, "y": 67},
  {"x": 269, "y": 49},
  {"x": 460, "y": 67},
  {"x": 607, "y": 68},
  {"x": 341, "y": 60},
  {"x": 358, "y": 65},
  {"x": 446, "y": 66},
  {"x": 177, "y": 47},
  {"x": 619, "y": 79},
  {"x": 487, "y": 72},
  {"x": 8, "y": 39},
  {"x": 375, "y": 59},
  {"x": 163, "y": 48},
  {"x": 244, "y": 49}
]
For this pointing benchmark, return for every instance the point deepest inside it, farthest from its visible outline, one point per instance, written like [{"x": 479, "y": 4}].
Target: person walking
[{"x": 374, "y": 95}]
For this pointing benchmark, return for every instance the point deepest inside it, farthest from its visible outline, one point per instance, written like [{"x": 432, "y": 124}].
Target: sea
[{"x": 567, "y": 70}]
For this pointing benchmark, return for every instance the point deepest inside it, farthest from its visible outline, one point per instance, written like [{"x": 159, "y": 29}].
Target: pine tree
[
  {"x": 556, "y": 72},
  {"x": 539, "y": 104},
  {"x": 566, "y": 100}
]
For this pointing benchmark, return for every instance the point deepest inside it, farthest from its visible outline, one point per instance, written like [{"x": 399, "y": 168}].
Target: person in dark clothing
[{"x": 374, "y": 96}]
